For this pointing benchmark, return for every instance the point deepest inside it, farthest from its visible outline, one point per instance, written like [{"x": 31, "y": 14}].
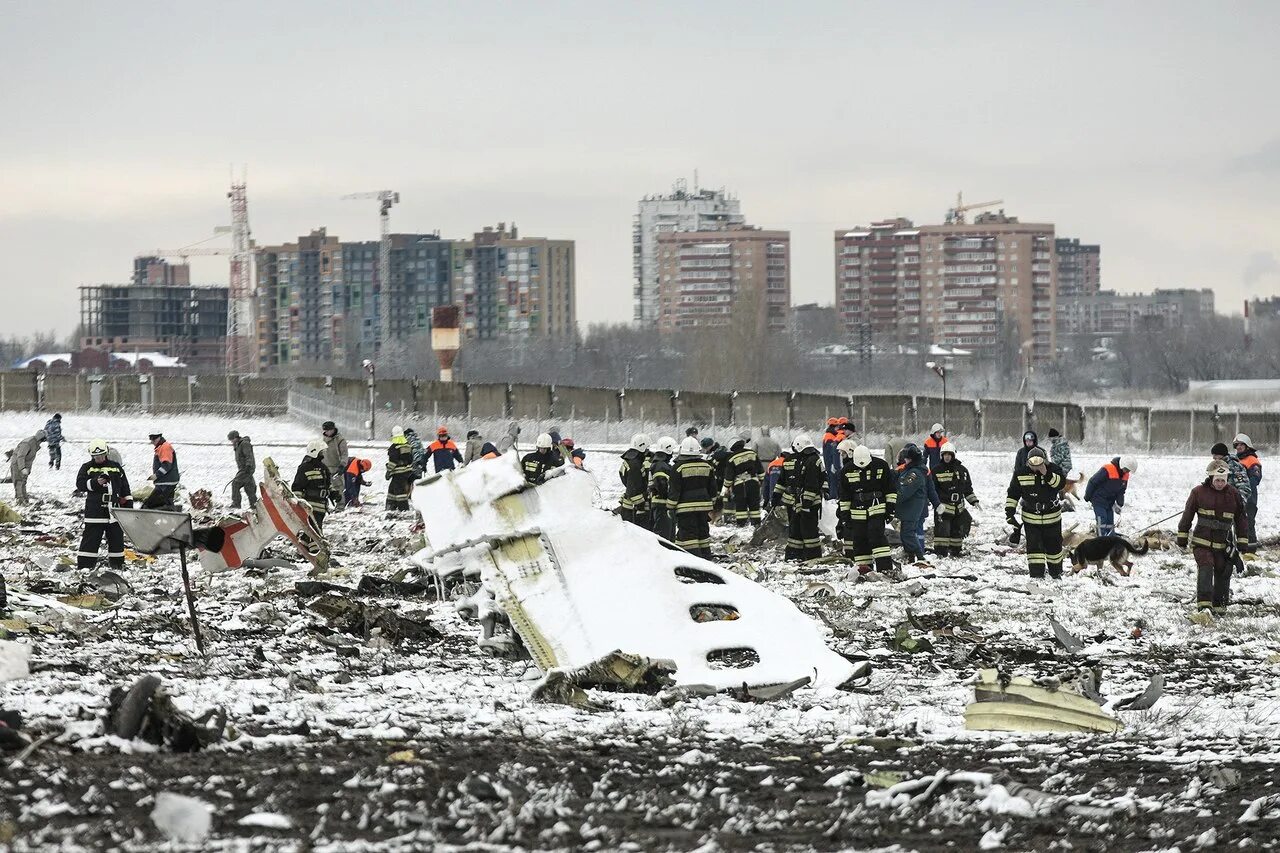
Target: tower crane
[
  {"x": 955, "y": 215},
  {"x": 385, "y": 199}
]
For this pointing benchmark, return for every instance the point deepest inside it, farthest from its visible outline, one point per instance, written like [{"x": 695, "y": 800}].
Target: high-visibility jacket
[
  {"x": 1108, "y": 485},
  {"x": 867, "y": 492},
  {"x": 744, "y": 466},
  {"x": 356, "y": 467},
  {"x": 164, "y": 465},
  {"x": 98, "y": 498},
  {"x": 660, "y": 482},
  {"x": 1216, "y": 513},
  {"x": 634, "y": 473},
  {"x": 535, "y": 465},
  {"x": 693, "y": 484},
  {"x": 311, "y": 483},
  {"x": 933, "y": 451},
  {"x": 400, "y": 458},
  {"x": 1252, "y": 467},
  {"x": 806, "y": 480},
  {"x": 444, "y": 454},
  {"x": 1037, "y": 494}
]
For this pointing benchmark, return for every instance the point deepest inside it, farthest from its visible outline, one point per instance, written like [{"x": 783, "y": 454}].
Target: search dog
[{"x": 1100, "y": 549}]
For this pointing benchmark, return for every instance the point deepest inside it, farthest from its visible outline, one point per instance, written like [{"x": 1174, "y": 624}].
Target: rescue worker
[
  {"x": 21, "y": 458},
  {"x": 540, "y": 460},
  {"x": 400, "y": 471},
  {"x": 353, "y": 479},
  {"x": 313, "y": 483},
  {"x": 53, "y": 435},
  {"x": 933, "y": 446},
  {"x": 868, "y": 497},
  {"x": 1218, "y": 510},
  {"x": 1034, "y": 489},
  {"x": 913, "y": 501},
  {"x": 336, "y": 457},
  {"x": 246, "y": 466},
  {"x": 573, "y": 454},
  {"x": 489, "y": 451},
  {"x": 661, "y": 507},
  {"x": 1248, "y": 457},
  {"x": 1237, "y": 476},
  {"x": 805, "y": 484},
  {"x": 831, "y": 455},
  {"x": 745, "y": 476},
  {"x": 418, "y": 450},
  {"x": 474, "y": 448},
  {"x": 693, "y": 492},
  {"x": 1106, "y": 491},
  {"x": 768, "y": 449},
  {"x": 782, "y": 496},
  {"x": 164, "y": 473},
  {"x": 443, "y": 452},
  {"x": 1030, "y": 441},
  {"x": 634, "y": 473},
  {"x": 952, "y": 522},
  {"x": 104, "y": 485}
]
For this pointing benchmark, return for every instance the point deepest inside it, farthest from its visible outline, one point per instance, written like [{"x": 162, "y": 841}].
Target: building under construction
[{"x": 188, "y": 322}]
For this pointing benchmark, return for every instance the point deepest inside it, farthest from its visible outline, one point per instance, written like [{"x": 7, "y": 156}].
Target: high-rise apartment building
[
  {"x": 183, "y": 321},
  {"x": 508, "y": 285},
  {"x": 299, "y": 300},
  {"x": 1079, "y": 267},
  {"x": 681, "y": 210},
  {"x": 720, "y": 278},
  {"x": 969, "y": 285},
  {"x": 421, "y": 279}
]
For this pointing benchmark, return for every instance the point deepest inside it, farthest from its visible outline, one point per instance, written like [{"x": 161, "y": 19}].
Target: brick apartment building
[
  {"x": 715, "y": 278},
  {"x": 966, "y": 285},
  {"x": 1079, "y": 267},
  {"x": 1107, "y": 313}
]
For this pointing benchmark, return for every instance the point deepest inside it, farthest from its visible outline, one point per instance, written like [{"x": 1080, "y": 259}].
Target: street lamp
[
  {"x": 940, "y": 369},
  {"x": 372, "y": 370}
]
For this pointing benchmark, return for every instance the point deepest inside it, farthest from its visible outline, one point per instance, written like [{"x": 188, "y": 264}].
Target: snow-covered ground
[{"x": 286, "y": 691}]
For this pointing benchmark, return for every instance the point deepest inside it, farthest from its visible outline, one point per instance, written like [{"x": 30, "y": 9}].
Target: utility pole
[{"x": 385, "y": 199}]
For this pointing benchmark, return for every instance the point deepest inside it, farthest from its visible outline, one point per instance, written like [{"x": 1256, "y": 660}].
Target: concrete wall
[
  {"x": 573, "y": 403},
  {"x": 488, "y": 401},
  {"x": 761, "y": 408},
  {"x": 810, "y": 411},
  {"x": 649, "y": 405},
  {"x": 703, "y": 408},
  {"x": 531, "y": 401}
]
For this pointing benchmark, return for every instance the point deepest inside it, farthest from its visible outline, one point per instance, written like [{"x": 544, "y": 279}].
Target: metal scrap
[
  {"x": 1016, "y": 703},
  {"x": 617, "y": 671},
  {"x": 368, "y": 621},
  {"x": 1147, "y": 698},
  {"x": 145, "y": 710}
]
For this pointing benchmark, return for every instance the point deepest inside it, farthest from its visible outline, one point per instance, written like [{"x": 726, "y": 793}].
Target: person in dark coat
[
  {"x": 693, "y": 491},
  {"x": 1248, "y": 458},
  {"x": 1218, "y": 512},
  {"x": 806, "y": 484},
  {"x": 313, "y": 482},
  {"x": 868, "y": 498},
  {"x": 246, "y": 466},
  {"x": 443, "y": 452},
  {"x": 634, "y": 474},
  {"x": 1106, "y": 490},
  {"x": 745, "y": 474},
  {"x": 913, "y": 501},
  {"x": 955, "y": 489},
  {"x": 53, "y": 435},
  {"x": 661, "y": 507},
  {"x": 1029, "y": 440},
  {"x": 418, "y": 450},
  {"x": 400, "y": 471},
  {"x": 104, "y": 485},
  {"x": 539, "y": 462},
  {"x": 164, "y": 472},
  {"x": 1035, "y": 490}
]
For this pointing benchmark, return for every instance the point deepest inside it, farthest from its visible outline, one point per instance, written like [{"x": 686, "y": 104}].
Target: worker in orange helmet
[{"x": 443, "y": 451}]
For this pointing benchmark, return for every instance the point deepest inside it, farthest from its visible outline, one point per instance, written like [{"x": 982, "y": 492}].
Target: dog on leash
[{"x": 1100, "y": 549}]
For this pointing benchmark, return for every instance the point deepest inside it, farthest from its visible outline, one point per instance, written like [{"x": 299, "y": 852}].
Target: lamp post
[
  {"x": 372, "y": 370},
  {"x": 940, "y": 369}
]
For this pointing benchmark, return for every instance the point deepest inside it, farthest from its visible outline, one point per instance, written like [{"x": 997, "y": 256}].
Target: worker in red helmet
[
  {"x": 573, "y": 453},
  {"x": 443, "y": 452}
]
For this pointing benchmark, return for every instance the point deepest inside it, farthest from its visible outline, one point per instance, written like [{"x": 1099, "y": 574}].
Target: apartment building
[
  {"x": 1079, "y": 267},
  {"x": 508, "y": 285},
  {"x": 185, "y": 322},
  {"x": 299, "y": 300},
  {"x": 724, "y": 277},
  {"x": 1107, "y": 313},
  {"x": 681, "y": 210},
  {"x": 968, "y": 285}
]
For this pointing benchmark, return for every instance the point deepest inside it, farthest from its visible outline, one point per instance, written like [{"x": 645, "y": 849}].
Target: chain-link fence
[{"x": 152, "y": 393}]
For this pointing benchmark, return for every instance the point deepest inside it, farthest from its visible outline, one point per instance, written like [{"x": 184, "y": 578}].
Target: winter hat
[
  {"x": 329, "y": 425},
  {"x": 1219, "y": 449},
  {"x": 473, "y": 433},
  {"x": 1053, "y": 433},
  {"x": 1036, "y": 456},
  {"x": 708, "y": 443},
  {"x": 57, "y": 417},
  {"x": 233, "y": 435}
]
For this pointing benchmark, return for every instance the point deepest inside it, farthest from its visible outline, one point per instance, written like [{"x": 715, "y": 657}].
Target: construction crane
[
  {"x": 385, "y": 199},
  {"x": 955, "y": 216},
  {"x": 241, "y": 349}
]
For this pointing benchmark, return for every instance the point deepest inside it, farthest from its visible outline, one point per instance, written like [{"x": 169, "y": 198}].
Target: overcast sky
[{"x": 1151, "y": 128}]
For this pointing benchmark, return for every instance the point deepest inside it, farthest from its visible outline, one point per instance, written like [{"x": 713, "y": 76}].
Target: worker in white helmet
[
  {"x": 867, "y": 500},
  {"x": 537, "y": 463},
  {"x": 634, "y": 473},
  {"x": 1106, "y": 492}
]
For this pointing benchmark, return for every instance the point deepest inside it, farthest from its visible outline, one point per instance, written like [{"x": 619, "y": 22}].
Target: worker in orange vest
[{"x": 353, "y": 479}]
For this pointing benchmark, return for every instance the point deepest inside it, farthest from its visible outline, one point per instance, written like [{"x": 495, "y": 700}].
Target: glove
[
  {"x": 1181, "y": 540},
  {"x": 388, "y": 475},
  {"x": 126, "y": 502},
  {"x": 1010, "y": 520},
  {"x": 972, "y": 499},
  {"x": 26, "y": 472},
  {"x": 1015, "y": 536}
]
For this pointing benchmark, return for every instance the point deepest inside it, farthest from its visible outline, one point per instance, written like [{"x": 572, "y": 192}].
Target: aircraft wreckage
[{"x": 578, "y": 584}]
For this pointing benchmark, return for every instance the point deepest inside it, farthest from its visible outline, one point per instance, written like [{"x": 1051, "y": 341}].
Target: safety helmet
[
  {"x": 948, "y": 446},
  {"x": 544, "y": 441},
  {"x": 832, "y": 421},
  {"x": 862, "y": 456},
  {"x": 397, "y": 431},
  {"x": 1242, "y": 439},
  {"x": 442, "y": 430},
  {"x": 567, "y": 443},
  {"x": 1129, "y": 464},
  {"x": 640, "y": 441},
  {"x": 365, "y": 465},
  {"x": 666, "y": 444},
  {"x": 154, "y": 435},
  {"x": 936, "y": 428},
  {"x": 845, "y": 447},
  {"x": 315, "y": 449},
  {"x": 690, "y": 447},
  {"x": 97, "y": 447},
  {"x": 801, "y": 441}
]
